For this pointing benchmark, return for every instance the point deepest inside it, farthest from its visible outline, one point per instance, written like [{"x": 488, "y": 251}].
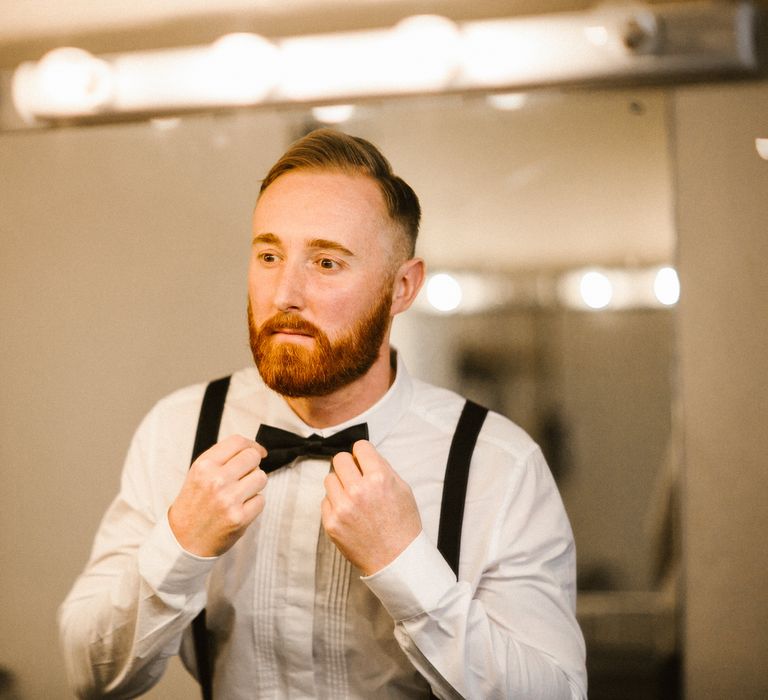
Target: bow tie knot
[{"x": 283, "y": 446}]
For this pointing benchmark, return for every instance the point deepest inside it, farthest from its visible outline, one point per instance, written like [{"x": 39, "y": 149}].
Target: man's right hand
[{"x": 220, "y": 498}]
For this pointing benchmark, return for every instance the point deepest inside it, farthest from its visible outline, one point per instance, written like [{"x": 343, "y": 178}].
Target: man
[{"x": 323, "y": 582}]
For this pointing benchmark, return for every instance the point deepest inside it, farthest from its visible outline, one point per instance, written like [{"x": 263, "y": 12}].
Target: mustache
[{"x": 289, "y": 322}]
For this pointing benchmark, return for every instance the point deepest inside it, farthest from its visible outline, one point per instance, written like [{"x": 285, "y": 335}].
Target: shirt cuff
[
  {"x": 414, "y": 582},
  {"x": 168, "y": 568}
]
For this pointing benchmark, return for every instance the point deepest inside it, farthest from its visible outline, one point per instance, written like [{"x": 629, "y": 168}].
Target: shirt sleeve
[
  {"x": 512, "y": 631},
  {"x": 127, "y": 611}
]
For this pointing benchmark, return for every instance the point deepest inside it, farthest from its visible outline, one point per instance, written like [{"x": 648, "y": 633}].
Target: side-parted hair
[{"x": 331, "y": 150}]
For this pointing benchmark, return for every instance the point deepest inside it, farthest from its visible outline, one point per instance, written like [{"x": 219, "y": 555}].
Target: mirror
[{"x": 128, "y": 246}]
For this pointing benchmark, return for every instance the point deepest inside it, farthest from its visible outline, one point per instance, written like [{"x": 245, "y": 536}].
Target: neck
[{"x": 349, "y": 401}]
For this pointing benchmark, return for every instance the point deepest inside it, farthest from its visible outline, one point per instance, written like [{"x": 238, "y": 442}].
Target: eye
[
  {"x": 268, "y": 258},
  {"x": 328, "y": 264}
]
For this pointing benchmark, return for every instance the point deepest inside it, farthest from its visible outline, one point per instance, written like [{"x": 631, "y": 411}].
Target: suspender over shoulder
[
  {"x": 207, "y": 436},
  {"x": 451, "y": 509}
]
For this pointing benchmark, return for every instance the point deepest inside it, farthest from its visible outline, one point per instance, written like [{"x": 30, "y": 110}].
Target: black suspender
[
  {"x": 451, "y": 509},
  {"x": 455, "y": 483},
  {"x": 206, "y": 436}
]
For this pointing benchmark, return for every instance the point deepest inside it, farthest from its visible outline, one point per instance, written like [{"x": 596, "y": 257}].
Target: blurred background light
[
  {"x": 444, "y": 292},
  {"x": 333, "y": 114},
  {"x": 420, "y": 54},
  {"x": 596, "y": 290},
  {"x": 66, "y": 81},
  {"x": 243, "y": 68},
  {"x": 666, "y": 286},
  {"x": 619, "y": 288},
  {"x": 237, "y": 69},
  {"x": 507, "y": 101}
]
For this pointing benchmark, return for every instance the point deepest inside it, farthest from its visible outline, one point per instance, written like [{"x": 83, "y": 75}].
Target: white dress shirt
[{"x": 289, "y": 616}]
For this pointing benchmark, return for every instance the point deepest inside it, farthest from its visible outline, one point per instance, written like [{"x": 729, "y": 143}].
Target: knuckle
[
  {"x": 378, "y": 479},
  {"x": 356, "y": 491},
  {"x": 234, "y": 517},
  {"x": 258, "y": 503}
]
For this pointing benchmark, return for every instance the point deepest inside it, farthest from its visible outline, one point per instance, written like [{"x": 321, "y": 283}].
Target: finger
[
  {"x": 227, "y": 448},
  {"x": 368, "y": 458},
  {"x": 345, "y": 468},
  {"x": 242, "y": 463},
  {"x": 253, "y": 507},
  {"x": 250, "y": 485},
  {"x": 334, "y": 490}
]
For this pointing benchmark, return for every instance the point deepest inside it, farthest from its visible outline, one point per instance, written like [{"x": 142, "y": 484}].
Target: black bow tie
[{"x": 283, "y": 447}]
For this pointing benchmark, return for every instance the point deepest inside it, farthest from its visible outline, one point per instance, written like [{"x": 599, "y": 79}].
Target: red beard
[{"x": 296, "y": 371}]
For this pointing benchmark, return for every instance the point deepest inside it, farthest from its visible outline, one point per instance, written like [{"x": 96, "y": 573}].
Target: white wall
[
  {"x": 722, "y": 205},
  {"x": 122, "y": 263}
]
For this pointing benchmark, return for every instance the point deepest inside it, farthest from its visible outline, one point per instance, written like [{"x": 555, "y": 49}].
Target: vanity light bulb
[
  {"x": 666, "y": 286},
  {"x": 243, "y": 67},
  {"x": 444, "y": 292},
  {"x": 65, "y": 82},
  {"x": 596, "y": 290},
  {"x": 333, "y": 114}
]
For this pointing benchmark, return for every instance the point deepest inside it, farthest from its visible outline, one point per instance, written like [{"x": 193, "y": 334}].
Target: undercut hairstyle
[{"x": 331, "y": 150}]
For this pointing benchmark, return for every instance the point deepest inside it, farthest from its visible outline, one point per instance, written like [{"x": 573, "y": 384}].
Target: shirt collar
[{"x": 381, "y": 417}]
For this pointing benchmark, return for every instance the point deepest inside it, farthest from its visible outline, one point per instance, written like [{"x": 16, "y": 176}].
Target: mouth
[
  {"x": 291, "y": 335},
  {"x": 291, "y": 331}
]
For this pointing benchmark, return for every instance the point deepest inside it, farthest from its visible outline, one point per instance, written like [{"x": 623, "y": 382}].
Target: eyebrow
[
  {"x": 266, "y": 238},
  {"x": 315, "y": 243},
  {"x": 324, "y": 244}
]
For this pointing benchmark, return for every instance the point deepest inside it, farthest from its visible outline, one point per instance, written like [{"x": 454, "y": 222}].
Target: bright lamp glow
[
  {"x": 596, "y": 290},
  {"x": 507, "y": 101},
  {"x": 419, "y": 53},
  {"x": 243, "y": 67},
  {"x": 427, "y": 50},
  {"x": 65, "y": 82},
  {"x": 237, "y": 69},
  {"x": 333, "y": 114},
  {"x": 444, "y": 292},
  {"x": 666, "y": 286}
]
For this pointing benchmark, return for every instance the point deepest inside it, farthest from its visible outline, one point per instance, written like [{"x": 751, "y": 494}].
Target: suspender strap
[
  {"x": 206, "y": 436},
  {"x": 455, "y": 484},
  {"x": 456, "y": 478},
  {"x": 210, "y": 416}
]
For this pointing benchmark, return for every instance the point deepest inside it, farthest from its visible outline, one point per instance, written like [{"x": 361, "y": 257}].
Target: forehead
[{"x": 310, "y": 201}]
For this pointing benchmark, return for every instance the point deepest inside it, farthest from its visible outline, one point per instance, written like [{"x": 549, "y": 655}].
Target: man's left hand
[{"x": 368, "y": 511}]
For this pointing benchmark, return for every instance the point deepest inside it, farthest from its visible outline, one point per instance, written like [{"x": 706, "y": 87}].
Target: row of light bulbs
[
  {"x": 420, "y": 54},
  {"x": 591, "y": 289}
]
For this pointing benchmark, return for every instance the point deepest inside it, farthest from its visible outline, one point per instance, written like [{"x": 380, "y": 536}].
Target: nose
[{"x": 290, "y": 288}]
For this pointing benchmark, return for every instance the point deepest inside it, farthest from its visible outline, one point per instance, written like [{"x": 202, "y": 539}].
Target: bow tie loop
[{"x": 283, "y": 446}]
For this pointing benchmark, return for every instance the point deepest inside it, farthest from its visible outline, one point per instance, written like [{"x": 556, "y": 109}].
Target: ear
[{"x": 408, "y": 281}]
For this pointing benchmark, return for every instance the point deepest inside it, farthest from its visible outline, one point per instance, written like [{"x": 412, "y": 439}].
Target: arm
[
  {"x": 141, "y": 589},
  {"x": 127, "y": 611},
  {"x": 511, "y": 632}
]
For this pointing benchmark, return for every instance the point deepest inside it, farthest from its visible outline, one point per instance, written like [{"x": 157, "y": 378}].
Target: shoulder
[
  {"x": 188, "y": 399},
  {"x": 176, "y": 414},
  {"x": 440, "y": 409}
]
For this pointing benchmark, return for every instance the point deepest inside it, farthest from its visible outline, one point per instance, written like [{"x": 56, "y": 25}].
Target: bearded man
[{"x": 330, "y": 577}]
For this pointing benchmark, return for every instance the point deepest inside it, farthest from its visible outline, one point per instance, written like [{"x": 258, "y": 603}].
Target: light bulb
[
  {"x": 65, "y": 82},
  {"x": 666, "y": 286},
  {"x": 243, "y": 67},
  {"x": 444, "y": 292},
  {"x": 333, "y": 114},
  {"x": 596, "y": 290}
]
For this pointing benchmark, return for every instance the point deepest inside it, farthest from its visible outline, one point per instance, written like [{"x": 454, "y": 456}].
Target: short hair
[{"x": 328, "y": 149}]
